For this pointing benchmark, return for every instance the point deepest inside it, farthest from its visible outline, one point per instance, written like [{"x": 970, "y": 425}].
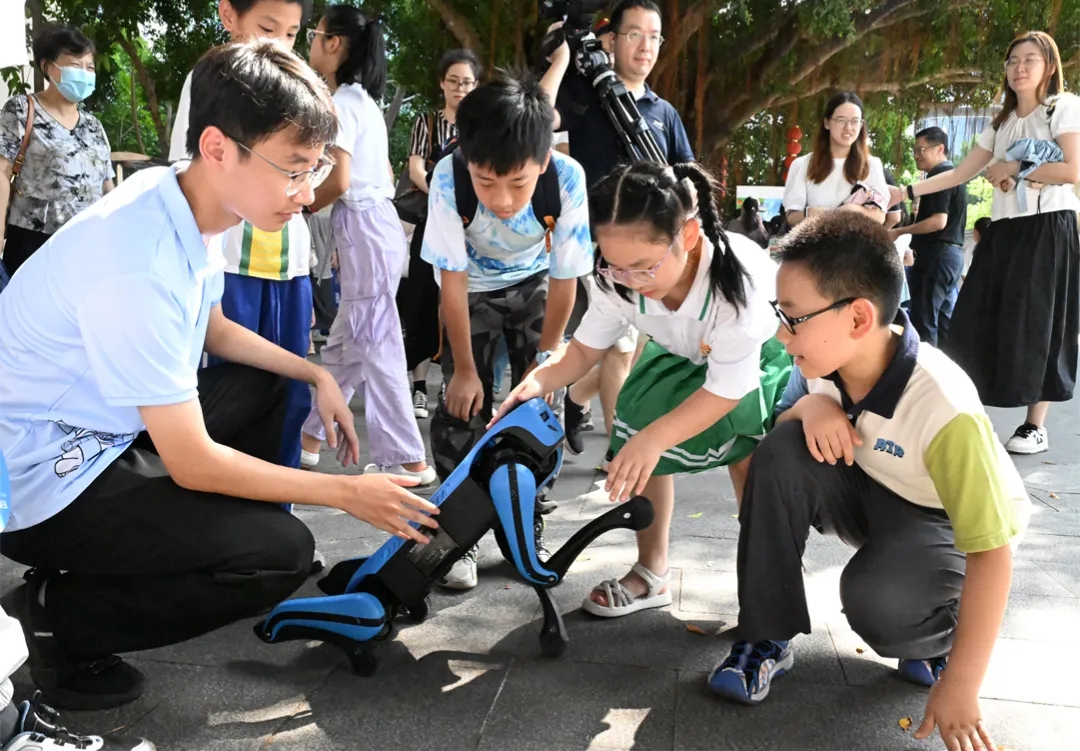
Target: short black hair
[
  {"x": 451, "y": 58},
  {"x": 243, "y": 7},
  {"x": 625, "y": 5},
  {"x": 934, "y": 136},
  {"x": 504, "y": 123},
  {"x": 251, "y": 90},
  {"x": 848, "y": 255},
  {"x": 981, "y": 225},
  {"x": 55, "y": 41}
]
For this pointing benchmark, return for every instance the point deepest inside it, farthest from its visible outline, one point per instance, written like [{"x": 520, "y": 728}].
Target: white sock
[{"x": 309, "y": 458}]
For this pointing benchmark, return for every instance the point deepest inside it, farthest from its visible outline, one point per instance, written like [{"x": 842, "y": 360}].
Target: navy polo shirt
[{"x": 594, "y": 142}]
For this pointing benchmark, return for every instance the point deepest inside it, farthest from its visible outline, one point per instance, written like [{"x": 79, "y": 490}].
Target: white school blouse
[{"x": 705, "y": 329}]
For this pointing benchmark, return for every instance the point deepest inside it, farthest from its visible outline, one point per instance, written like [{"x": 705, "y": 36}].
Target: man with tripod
[{"x": 633, "y": 38}]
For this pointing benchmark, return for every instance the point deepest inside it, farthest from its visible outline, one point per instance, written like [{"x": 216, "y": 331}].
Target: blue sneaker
[
  {"x": 747, "y": 673},
  {"x": 922, "y": 672}
]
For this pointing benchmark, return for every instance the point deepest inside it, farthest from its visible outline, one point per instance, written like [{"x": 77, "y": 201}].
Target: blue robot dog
[{"x": 495, "y": 486}]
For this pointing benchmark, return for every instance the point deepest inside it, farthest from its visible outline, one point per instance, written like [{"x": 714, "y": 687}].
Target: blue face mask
[{"x": 75, "y": 84}]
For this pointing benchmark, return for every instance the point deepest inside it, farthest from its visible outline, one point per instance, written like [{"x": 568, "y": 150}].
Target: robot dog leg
[{"x": 494, "y": 487}]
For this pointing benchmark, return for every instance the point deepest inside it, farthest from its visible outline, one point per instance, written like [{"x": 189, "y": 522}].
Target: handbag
[
  {"x": 411, "y": 202},
  {"x": 16, "y": 169}
]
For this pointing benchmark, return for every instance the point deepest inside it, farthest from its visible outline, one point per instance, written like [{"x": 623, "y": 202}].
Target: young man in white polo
[{"x": 148, "y": 482}]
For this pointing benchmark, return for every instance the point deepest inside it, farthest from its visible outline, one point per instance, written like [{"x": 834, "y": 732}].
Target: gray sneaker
[{"x": 463, "y": 575}]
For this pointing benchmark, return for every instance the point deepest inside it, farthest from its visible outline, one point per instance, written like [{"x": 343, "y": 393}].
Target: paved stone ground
[{"x": 472, "y": 676}]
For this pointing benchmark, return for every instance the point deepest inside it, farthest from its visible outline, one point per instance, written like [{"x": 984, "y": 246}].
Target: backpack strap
[
  {"x": 464, "y": 195},
  {"x": 547, "y": 201}
]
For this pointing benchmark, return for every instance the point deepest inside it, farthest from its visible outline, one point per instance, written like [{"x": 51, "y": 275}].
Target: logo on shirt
[
  {"x": 83, "y": 445},
  {"x": 658, "y": 125},
  {"x": 889, "y": 447}
]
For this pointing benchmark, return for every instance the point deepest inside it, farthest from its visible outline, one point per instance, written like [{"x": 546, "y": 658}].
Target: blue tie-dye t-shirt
[{"x": 499, "y": 253}]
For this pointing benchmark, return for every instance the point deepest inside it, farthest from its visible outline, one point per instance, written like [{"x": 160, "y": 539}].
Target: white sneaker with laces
[
  {"x": 419, "y": 405},
  {"x": 1028, "y": 439},
  {"x": 424, "y": 477},
  {"x": 463, "y": 574}
]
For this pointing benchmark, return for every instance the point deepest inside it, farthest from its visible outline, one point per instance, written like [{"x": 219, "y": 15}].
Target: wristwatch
[
  {"x": 911, "y": 192},
  {"x": 542, "y": 357}
]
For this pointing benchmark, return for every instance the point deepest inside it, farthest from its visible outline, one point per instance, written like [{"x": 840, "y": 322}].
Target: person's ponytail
[
  {"x": 727, "y": 275},
  {"x": 365, "y": 60}
]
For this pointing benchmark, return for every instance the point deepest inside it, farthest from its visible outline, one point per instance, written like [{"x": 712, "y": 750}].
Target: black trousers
[
  {"x": 19, "y": 245},
  {"x": 900, "y": 590},
  {"x": 418, "y": 306},
  {"x": 147, "y": 563},
  {"x": 934, "y": 280}
]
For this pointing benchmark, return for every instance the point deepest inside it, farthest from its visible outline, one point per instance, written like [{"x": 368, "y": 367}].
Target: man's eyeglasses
[
  {"x": 299, "y": 180},
  {"x": 461, "y": 84},
  {"x": 636, "y": 36},
  {"x": 790, "y": 323}
]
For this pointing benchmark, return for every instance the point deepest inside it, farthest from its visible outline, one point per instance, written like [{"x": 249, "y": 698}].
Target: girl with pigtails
[{"x": 702, "y": 394}]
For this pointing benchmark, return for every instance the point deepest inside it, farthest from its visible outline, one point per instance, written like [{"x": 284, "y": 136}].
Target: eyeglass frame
[
  {"x": 312, "y": 33},
  {"x": 790, "y": 323},
  {"x": 313, "y": 176},
  {"x": 648, "y": 37},
  {"x": 461, "y": 84},
  {"x": 1029, "y": 60},
  {"x": 843, "y": 122},
  {"x": 611, "y": 273}
]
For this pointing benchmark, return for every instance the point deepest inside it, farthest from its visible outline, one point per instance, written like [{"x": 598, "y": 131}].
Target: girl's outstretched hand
[
  {"x": 632, "y": 467},
  {"x": 529, "y": 388}
]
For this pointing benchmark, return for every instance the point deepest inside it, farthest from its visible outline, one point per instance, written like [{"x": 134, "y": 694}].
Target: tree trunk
[
  {"x": 458, "y": 24},
  {"x": 700, "y": 85},
  {"x": 394, "y": 109},
  {"x": 37, "y": 25},
  {"x": 493, "y": 36},
  {"x": 135, "y": 115},
  {"x": 147, "y": 83}
]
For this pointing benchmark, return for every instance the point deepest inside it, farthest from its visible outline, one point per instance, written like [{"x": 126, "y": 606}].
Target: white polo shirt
[
  {"x": 705, "y": 328},
  {"x": 109, "y": 316},
  {"x": 927, "y": 438}
]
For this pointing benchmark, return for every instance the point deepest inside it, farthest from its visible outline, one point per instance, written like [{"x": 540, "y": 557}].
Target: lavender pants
[{"x": 365, "y": 351}]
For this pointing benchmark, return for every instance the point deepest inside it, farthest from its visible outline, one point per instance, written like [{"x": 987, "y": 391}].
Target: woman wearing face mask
[{"x": 67, "y": 163}]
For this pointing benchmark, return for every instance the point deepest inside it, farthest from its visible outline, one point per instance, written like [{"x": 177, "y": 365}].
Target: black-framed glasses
[
  {"x": 299, "y": 180},
  {"x": 461, "y": 84},
  {"x": 790, "y": 323}
]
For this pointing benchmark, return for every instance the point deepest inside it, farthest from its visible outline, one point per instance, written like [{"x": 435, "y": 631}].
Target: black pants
[
  {"x": 900, "y": 591},
  {"x": 20, "y": 244},
  {"x": 934, "y": 280},
  {"x": 147, "y": 563},
  {"x": 418, "y": 306}
]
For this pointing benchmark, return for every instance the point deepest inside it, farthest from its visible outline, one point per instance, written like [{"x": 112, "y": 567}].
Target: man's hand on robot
[
  {"x": 382, "y": 501},
  {"x": 632, "y": 467}
]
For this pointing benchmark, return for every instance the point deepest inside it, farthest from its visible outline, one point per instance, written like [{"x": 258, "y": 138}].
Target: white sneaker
[
  {"x": 419, "y": 405},
  {"x": 1028, "y": 439},
  {"x": 463, "y": 574},
  {"x": 424, "y": 477}
]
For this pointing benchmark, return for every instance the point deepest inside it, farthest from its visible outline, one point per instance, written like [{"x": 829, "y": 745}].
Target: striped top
[
  {"x": 277, "y": 256},
  {"x": 421, "y": 143}
]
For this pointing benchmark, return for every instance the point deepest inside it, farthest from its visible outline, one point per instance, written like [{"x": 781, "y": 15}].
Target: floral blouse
[{"x": 64, "y": 172}]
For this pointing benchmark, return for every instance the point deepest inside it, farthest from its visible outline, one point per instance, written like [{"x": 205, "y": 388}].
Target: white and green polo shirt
[{"x": 927, "y": 438}]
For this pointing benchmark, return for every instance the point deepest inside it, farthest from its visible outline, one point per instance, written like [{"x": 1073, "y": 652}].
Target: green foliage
[
  {"x": 980, "y": 194},
  {"x": 115, "y": 112}
]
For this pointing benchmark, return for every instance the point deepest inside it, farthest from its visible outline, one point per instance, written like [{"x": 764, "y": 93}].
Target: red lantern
[{"x": 792, "y": 148}]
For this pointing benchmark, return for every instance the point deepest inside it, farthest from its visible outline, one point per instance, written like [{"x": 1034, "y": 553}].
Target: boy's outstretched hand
[
  {"x": 529, "y": 388},
  {"x": 830, "y": 436},
  {"x": 954, "y": 710}
]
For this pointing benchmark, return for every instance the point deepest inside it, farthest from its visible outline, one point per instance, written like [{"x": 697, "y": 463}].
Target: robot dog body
[{"x": 494, "y": 487}]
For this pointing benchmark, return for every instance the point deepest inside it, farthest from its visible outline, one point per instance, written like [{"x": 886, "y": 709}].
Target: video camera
[{"x": 591, "y": 62}]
